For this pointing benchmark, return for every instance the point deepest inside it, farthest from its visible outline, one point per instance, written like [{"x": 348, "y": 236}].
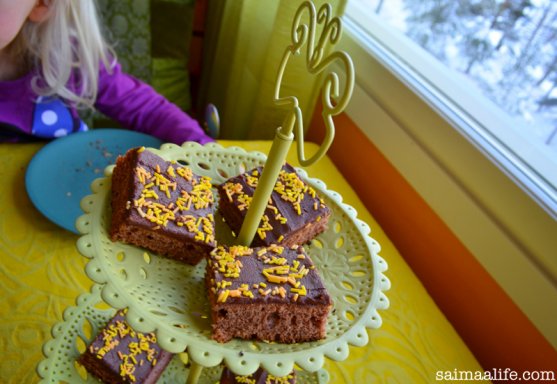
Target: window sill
[{"x": 508, "y": 231}]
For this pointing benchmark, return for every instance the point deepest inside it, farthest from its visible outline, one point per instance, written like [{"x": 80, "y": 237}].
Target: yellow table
[{"x": 42, "y": 274}]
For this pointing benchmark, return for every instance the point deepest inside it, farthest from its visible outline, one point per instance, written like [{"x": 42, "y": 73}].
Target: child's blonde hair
[{"x": 67, "y": 45}]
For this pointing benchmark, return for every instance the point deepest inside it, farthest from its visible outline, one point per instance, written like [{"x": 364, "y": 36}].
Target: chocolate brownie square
[
  {"x": 162, "y": 206},
  {"x": 119, "y": 354},
  {"x": 258, "y": 377},
  {"x": 267, "y": 293},
  {"x": 295, "y": 213}
]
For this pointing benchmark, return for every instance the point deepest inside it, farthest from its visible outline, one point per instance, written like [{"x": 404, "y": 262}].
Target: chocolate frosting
[
  {"x": 150, "y": 162},
  {"x": 126, "y": 354},
  {"x": 311, "y": 207},
  {"x": 258, "y": 377},
  {"x": 305, "y": 286}
]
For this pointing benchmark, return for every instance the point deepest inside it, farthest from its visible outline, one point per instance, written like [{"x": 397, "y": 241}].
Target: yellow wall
[{"x": 493, "y": 327}]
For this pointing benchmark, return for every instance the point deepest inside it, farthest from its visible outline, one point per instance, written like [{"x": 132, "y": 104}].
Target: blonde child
[{"x": 55, "y": 62}]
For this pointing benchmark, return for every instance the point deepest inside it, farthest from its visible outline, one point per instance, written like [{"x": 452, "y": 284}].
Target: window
[
  {"x": 506, "y": 48},
  {"x": 503, "y": 51},
  {"x": 493, "y": 185}
]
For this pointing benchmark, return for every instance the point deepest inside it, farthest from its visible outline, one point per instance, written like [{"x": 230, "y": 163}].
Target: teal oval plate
[{"x": 61, "y": 173}]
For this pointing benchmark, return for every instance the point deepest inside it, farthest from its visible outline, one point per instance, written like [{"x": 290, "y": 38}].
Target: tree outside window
[{"x": 508, "y": 48}]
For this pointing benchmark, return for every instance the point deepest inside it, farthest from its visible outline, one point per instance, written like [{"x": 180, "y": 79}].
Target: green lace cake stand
[
  {"x": 169, "y": 298},
  {"x": 81, "y": 324}
]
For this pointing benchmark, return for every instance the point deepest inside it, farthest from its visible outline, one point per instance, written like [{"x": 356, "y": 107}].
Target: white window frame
[{"x": 403, "y": 101}]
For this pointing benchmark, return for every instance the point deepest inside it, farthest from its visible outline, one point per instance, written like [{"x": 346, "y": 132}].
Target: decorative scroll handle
[{"x": 333, "y": 103}]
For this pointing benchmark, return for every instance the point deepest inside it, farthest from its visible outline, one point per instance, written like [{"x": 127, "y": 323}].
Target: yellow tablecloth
[{"x": 42, "y": 274}]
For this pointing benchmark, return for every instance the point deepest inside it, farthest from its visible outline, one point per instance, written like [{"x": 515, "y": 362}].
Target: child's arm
[{"x": 138, "y": 106}]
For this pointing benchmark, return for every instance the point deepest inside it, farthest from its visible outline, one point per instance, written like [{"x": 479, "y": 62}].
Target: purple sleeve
[{"x": 138, "y": 106}]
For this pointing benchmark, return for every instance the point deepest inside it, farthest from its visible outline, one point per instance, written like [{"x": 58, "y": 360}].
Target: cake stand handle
[
  {"x": 334, "y": 101},
  {"x": 194, "y": 373},
  {"x": 275, "y": 160}
]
